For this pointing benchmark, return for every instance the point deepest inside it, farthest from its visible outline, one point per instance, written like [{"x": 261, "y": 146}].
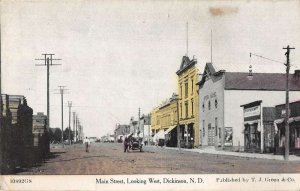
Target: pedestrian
[
  {"x": 125, "y": 144},
  {"x": 87, "y": 143}
]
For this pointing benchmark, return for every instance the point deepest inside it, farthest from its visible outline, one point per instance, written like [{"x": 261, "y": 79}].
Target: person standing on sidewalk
[
  {"x": 87, "y": 143},
  {"x": 125, "y": 144}
]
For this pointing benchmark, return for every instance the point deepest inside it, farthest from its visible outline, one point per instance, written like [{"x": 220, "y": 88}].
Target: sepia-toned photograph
[{"x": 149, "y": 95}]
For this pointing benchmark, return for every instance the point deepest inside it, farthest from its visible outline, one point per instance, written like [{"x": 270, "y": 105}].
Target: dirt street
[{"x": 109, "y": 158}]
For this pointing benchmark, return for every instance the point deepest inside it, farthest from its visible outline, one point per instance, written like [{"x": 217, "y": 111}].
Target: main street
[{"x": 109, "y": 158}]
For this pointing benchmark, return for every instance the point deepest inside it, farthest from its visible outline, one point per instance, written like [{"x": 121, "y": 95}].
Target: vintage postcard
[{"x": 150, "y": 95}]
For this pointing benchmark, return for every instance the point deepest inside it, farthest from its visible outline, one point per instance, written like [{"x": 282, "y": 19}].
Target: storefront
[
  {"x": 258, "y": 127},
  {"x": 187, "y": 136},
  {"x": 171, "y": 136},
  {"x": 294, "y": 128}
]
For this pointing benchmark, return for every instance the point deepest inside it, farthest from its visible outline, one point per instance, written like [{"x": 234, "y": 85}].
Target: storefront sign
[
  {"x": 228, "y": 137},
  {"x": 252, "y": 111}
]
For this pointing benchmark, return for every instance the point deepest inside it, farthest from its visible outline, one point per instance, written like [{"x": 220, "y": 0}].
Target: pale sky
[{"x": 118, "y": 56}]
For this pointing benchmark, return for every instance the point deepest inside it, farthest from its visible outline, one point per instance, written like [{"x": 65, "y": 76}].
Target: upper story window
[
  {"x": 209, "y": 106},
  {"x": 203, "y": 125},
  {"x": 216, "y": 103},
  {"x": 216, "y": 126},
  {"x": 186, "y": 109},
  {"x": 180, "y": 90},
  {"x": 192, "y": 104},
  {"x": 192, "y": 85},
  {"x": 180, "y": 110},
  {"x": 186, "y": 87},
  {"x": 203, "y": 107}
]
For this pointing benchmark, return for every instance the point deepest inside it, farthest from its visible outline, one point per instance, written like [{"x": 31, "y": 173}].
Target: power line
[{"x": 266, "y": 58}]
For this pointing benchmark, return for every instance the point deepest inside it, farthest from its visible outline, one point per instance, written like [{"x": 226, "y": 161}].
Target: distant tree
[
  {"x": 66, "y": 134},
  {"x": 57, "y": 135},
  {"x": 51, "y": 136}
]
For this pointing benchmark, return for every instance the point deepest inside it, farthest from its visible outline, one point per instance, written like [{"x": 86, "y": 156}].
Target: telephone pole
[
  {"x": 139, "y": 121},
  {"x": 287, "y": 107},
  {"x": 62, "y": 92},
  {"x": 1, "y": 125},
  {"x": 48, "y": 58},
  {"x": 69, "y": 105},
  {"x": 76, "y": 130},
  {"x": 74, "y": 127},
  {"x": 187, "y": 39}
]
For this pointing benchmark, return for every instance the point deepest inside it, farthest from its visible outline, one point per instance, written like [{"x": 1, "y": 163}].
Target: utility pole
[
  {"x": 211, "y": 46},
  {"x": 74, "y": 127},
  {"x": 178, "y": 128},
  {"x": 76, "y": 131},
  {"x": 48, "y": 62},
  {"x": 69, "y": 105},
  {"x": 78, "y": 127},
  {"x": 62, "y": 92},
  {"x": 139, "y": 120},
  {"x": 287, "y": 107},
  {"x": 149, "y": 118},
  {"x": 1, "y": 125},
  {"x": 187, "y": 39}
]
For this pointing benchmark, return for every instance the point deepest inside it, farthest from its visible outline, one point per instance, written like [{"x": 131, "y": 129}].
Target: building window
[
  {"x": 208, "y": 105},
  {"x": 180, "y": 110},
  {"x": 192, "y": 103},
  {"x": 216, "y": 125},
  {"x": 203, "y": 125},
  {"x": 180, "y": 90},
  {"x": 192, "y": 86},
  {"x": 216, "y": 103},
  {"x": 219, "y": 133},
  {"x": 175, "y": 118},
  {"x": 186, "y": 109},
  {"x": 186, "y": 87},
  {"x": 203, "y": 106}
]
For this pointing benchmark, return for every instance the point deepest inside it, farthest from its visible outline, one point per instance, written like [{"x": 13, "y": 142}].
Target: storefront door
[
  {"x": 252, "y": 137},
  {"x": 211, "y": 135}
]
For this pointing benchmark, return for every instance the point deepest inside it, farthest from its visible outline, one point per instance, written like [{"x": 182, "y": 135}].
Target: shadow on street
[{"x": 79, "y": 158}]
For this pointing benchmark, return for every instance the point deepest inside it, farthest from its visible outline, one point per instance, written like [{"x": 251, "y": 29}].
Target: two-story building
[
  {"x": 120, "y": 132},
  {"x": 164, "y": 121},
  {"x": 145, "y": 128},
  {"x": 221, "y": 95}
]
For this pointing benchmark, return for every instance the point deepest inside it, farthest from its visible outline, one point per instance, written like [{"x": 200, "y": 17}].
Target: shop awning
[
  {"x": 281, "y": 120},
  {"x": 159, "y": 135},
  {"x": 170, "y": 129},
  {"x": 251, "y": 123},
  {"x": 291, "y": 120}
]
